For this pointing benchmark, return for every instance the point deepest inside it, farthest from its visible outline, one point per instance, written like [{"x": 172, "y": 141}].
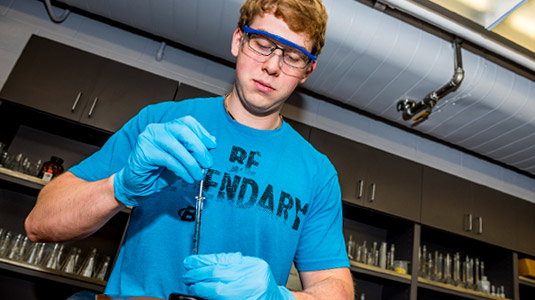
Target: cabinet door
[
  {"x": 189, "y": 92},
  {"x": 348, "y": 158},
  {"x": 121, "y": 92},
  {"x": 447, "y": 202},
  {"x": 393, "y": 185},
  {"x": 525, "y": 226},
  {"x": 53, "y": 78},
  {"x": 494, "y": 217}
]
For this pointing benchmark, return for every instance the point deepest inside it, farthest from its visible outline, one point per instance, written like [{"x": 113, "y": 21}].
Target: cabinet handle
[
  {"x": 92, "y": 107},
  {"x": 480, "y": 223},
  {"x": 359, "y": 188},
  {"x": 372, "y": 198},
  {"x": 468, "y": 222},
  {"x": 76, "y": 101}
]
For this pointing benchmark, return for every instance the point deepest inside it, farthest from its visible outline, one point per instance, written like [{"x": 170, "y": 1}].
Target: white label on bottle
[{"x": 47, "y": 176}]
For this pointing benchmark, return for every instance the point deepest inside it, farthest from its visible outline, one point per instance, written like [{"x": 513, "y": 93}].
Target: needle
[{"x": 198, "y": 212}]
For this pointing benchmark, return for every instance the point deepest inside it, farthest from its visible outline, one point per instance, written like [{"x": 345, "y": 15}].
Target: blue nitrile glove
[
  {"x": 163, "y": 153},
  {"x": 231, "y": 276}
]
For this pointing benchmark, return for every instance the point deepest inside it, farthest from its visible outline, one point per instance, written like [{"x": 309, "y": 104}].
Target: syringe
[{"x": 198, "y": 212}]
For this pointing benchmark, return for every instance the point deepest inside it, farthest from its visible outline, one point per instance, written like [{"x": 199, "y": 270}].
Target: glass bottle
[
  {"x": 36, "y": 168},
  {"x": 470, "y": 274},
  {"x": 457, "y": 269},
  {"x": 429, "y": 267},
  {"x": 447, "y": 269},
  {"x": 423, "y": 262},
  {"x": 364, "y": 253},
  {"x": 476, "y": 269},
  {"x": 392, "y": 256},
  {"x": 440, "y": 267},
  {"x": 51, "y": 168},
  {"x": 350, "y": 247},
  {"x": 382, "y": 255}
]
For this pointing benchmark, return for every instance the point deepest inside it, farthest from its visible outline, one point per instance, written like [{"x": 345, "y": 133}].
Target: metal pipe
[
  {"x": 52, "y": 15},
  {"x": 421, "y": 110},
  {"x": 159, "y": 54}
]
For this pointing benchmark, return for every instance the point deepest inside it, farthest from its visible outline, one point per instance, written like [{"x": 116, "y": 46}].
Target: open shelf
[
  {"x": 455, "y": 290},
  {"x": 22, "y": 179},
  {"x": 379, "y": 272},
  {"x": 54, "y": 275},
  {"x": 526, "y": 281}
]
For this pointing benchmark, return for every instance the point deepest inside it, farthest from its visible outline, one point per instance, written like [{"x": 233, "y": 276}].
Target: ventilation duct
[{"x": 370, "y": 61}]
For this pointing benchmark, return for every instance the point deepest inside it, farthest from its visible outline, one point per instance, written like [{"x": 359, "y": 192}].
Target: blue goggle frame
[{"x": 281, "y": 40}]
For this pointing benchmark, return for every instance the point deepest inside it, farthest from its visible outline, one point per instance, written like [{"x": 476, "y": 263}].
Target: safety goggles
[{"x": 264, "y": 44}]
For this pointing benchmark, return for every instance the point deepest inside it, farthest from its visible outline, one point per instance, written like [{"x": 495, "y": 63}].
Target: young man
[{"x": 271, "y": 198}]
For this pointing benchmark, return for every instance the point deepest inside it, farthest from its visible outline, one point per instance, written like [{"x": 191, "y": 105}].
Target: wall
[{"x": 19, "y": 19}]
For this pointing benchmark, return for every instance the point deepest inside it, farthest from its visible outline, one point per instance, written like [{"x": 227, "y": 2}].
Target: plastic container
[{"x": 401, "y": 266}]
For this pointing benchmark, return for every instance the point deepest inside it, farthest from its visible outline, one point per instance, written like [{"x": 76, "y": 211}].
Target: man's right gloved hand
[{"x": 164, "y": 153}]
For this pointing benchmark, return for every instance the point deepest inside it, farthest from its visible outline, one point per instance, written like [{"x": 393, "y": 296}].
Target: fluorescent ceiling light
[
  {"x": 512, "y": 19},
  {"x": 487, "y": 13}
]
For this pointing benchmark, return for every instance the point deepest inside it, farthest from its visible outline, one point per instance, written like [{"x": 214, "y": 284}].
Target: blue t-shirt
[{"x": 269, "y": 194}]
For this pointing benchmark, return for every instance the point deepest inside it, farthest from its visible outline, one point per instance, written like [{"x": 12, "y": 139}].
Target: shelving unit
[
  {"x": 454, "y": 290},
  {"x": 21, "y": 178},
  {"x": 13, "y": 185},
  {"x": 365, "y": 224},
  {"x": 526, "y": 281},
  {"x": 54, "y": 275},
  {"x": 360, "y": 268}
]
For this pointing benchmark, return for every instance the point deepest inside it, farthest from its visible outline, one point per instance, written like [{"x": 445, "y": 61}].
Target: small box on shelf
[{"x": 526, "y": 267}]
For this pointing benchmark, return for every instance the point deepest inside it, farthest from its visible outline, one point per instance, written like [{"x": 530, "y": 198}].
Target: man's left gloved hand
[{"x": 231, "y": 276}]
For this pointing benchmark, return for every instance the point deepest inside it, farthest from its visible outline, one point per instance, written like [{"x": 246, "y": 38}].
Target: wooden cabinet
[
  {"x": 525, "y": 226},
  {"x": 82, "y": 87},
  {"x": 447, "y": 202},
  {"x": 472, "y": 210},
  {"x": 373, "y": 178},
  {"x": 494, "y": 217}
]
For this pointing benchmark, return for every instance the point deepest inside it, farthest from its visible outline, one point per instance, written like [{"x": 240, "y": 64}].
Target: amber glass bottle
[{"x": 52, "y": 166}]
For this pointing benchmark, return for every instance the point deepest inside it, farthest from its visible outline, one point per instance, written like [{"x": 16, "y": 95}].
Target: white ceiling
[{"x": 370, "y": 61}]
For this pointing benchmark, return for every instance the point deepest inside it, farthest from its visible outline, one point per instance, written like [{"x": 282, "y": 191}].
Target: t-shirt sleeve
[{"x": 321, "y": 245}]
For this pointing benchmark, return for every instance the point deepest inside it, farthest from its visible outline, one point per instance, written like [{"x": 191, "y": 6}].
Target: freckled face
[{"x": 261, "y": 86}]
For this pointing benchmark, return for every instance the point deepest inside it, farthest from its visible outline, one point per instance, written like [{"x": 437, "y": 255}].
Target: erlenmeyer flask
[
  {"x": 15, "y": 248},
  {"x": 88, "y": 268},
  {"x": 101, "y": 273},
  {"x": 70, "y": 264},
  {"x": 52, "y": 260},
  {"x": 6, "y": 242},
  {"x": 24, "y": 248},
  {"x": 40, "y": 254},
  {"x": 32, "y": 253}
]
